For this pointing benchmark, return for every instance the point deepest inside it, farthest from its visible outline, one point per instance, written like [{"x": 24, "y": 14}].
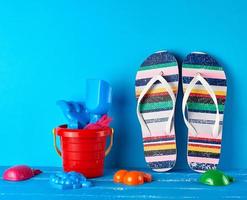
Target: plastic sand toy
[
  {"x": 20, "y": 173},
  {"x": 215, "y": 178},
  {"x": 75, "y": 112},
  {"x": 96, "y": 106},
  {"x": 103, "y": 122},
  {"x": 98, "y": 98},
  {"x": 132, "y": 177},
  {"x": 70, "y": 180},
  {"x": 83, "y": 150}
]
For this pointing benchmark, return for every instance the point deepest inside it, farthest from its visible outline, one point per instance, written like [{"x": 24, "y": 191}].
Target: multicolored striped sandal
[
  {"x": 204, "y": 86},
  {"x": 156, "y": 91}
]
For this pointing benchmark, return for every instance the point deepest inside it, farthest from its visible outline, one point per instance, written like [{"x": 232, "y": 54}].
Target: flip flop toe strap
[
  {"x": 149, "y": 85},
  {"x": 209, "y": 89}
]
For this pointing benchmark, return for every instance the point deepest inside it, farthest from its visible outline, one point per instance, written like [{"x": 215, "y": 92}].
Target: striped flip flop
[
  {"x": 204, "y": 86},
  {"x": 156, "y": 91}
]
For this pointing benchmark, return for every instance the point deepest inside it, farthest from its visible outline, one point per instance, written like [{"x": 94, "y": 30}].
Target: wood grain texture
[{"x": 171, "y": 185}]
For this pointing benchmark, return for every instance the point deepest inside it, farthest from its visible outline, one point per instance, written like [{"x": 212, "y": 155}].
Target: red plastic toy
[
  {"x": 20, "y": 173},
  {"x": 103, "y": 122},
  {"x": 131, "y": 177},
  {"x": 83, "y": 150}
]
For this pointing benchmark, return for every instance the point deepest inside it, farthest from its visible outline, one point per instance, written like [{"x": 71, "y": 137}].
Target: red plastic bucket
[{"x": 83, "y": 151}]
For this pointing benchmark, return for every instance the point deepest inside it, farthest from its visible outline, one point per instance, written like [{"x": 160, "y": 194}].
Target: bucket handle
[
  {"x": 55, "y": 142},
  {"x": 111, "y": 143},
  {"x": 59, "y": 152}
]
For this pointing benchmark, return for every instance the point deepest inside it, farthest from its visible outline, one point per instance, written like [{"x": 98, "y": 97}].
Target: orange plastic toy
[{"x": 131, "y": 177}]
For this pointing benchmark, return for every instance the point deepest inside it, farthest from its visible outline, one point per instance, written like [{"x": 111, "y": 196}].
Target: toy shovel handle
[
  {"x": 55, "y": 142},
  {"x": 111, "y": 143}
]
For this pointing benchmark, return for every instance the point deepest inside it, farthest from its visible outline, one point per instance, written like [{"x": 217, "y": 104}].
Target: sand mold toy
[
  {"x": 132, "y": 177},
  {"x": 20, "y": 173},
  {"x": 70, "y": 180},
  {"x": 215, "y": 178}
]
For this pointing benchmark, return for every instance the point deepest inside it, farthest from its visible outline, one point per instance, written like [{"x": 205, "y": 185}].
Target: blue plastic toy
[
  {"x": 75, "y": 112},
  {"x": 98, "y": 98},
  {"x": 70, "y": 180}
]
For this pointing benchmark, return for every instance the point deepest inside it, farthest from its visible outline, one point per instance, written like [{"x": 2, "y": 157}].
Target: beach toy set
[{"x": 83, "y": 139}]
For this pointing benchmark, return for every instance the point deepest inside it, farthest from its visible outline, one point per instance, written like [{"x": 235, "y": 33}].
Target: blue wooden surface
[{"x": 172, "y": 185}]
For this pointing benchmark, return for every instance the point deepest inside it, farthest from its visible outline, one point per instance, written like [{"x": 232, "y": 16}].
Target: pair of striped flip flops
[{"x": 204, "y": 87}]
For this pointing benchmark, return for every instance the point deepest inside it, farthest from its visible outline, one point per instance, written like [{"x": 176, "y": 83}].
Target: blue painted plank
[{"x": 172, "y": 185}]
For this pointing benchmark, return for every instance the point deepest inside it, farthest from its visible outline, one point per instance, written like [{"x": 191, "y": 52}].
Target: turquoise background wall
[{"x": 48, "y": 48}]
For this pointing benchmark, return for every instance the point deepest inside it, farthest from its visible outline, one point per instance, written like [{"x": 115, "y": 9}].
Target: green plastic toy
[{"x": 215, "y": 178}]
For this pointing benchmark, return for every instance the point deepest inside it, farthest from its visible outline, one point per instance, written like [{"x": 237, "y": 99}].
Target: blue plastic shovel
[{"x": 98, "y": 98}]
